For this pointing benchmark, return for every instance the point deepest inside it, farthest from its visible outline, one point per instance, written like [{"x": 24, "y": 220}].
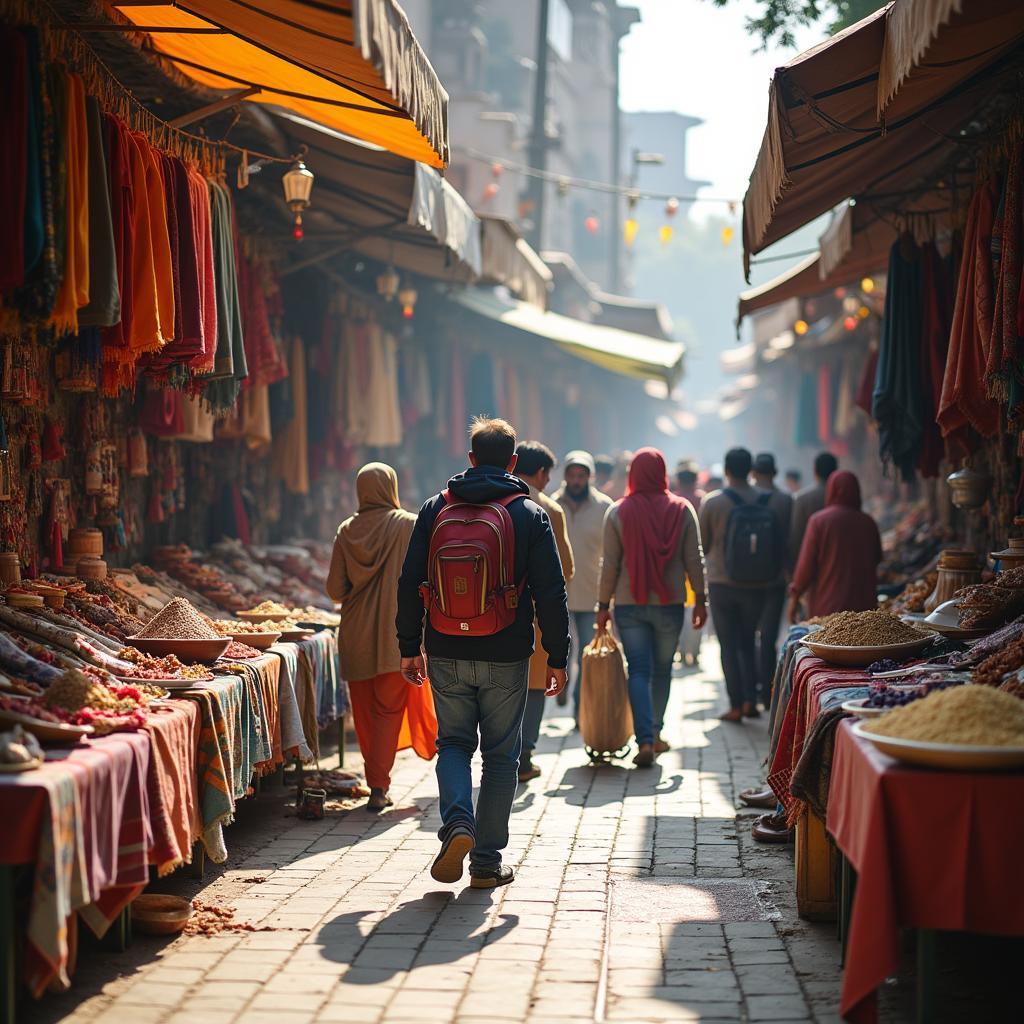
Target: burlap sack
[{"x": 606, "y": 721}]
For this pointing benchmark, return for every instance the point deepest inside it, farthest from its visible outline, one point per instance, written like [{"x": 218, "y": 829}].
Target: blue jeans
[
  {"x": 584, "y": 623},
  {"x": 478, "y": 702},
  {"x": 649, "y": 635},
  {"x": 531, "y": 722}
]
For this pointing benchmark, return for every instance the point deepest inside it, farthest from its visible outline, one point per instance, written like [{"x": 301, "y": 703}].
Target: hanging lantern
[
  {"x": 840, "y": 293},
  {"x": 665, "y": 234},
  {"x": 407, "y": 297},
  {"x": 867, "y": 285},
  {"x": 863, "y": 312},
  {"x": 672, "y": 207},
  {"x": 592, "y": 224},
  {"x": 297, "y": 184},
  {"x": 497, "y": 170},
  {"x": 491, "y": 189},
  {"x": 850, "y": 323},
  {"x": 801, "y": 327},
  {"x": 727, "y": 234},
  {"x": 629, "y": 230},
  {"x": 387, "y": 284}
]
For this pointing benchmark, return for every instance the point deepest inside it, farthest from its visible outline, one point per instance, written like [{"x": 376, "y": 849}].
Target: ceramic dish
[
  {"x": 952, "y": 756},
  {"x": 261, "y": 641},
  {"x": 53, "y": 732},
  {"x": 861, "y": 657},
  {"x": 861, "y": 710},
  {"x": 263, "y": 616},
  {"x": 21, "y": 766},
  {"x": 293, "y": 636},
  {"x": 186, "y": 650}
]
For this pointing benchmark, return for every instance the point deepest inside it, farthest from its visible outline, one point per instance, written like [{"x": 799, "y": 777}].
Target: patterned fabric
[{"x": 294, "y": 742}]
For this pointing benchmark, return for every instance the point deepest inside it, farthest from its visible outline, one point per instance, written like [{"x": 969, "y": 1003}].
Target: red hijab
[{"x": 652, "y": 521}]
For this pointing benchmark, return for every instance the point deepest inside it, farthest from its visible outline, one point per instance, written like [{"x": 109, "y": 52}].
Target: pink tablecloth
[
  {"x": 932, "y": 849},
  {"x": 83, "y": 820}
]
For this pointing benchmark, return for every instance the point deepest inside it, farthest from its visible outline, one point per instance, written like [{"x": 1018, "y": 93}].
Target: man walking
[
  {"x": 482, "y": 557},
  {"x": 744, "y": 548},
  {"x": 534, "y": 462},
  {"x": 686, "y": 487},
  {"x": 808, "y": 501},
  {"x": 585, "y": 507},
  {"x": 768, "y": 627}
]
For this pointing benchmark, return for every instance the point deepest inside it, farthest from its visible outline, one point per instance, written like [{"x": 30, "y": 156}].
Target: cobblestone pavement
[{"x": 639, "y": 897}]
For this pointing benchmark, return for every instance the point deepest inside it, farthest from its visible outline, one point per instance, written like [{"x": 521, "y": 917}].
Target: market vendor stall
[{"x": 886, "y": 818}]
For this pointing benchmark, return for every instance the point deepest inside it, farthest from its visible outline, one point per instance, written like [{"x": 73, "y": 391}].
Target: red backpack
[{"x": 470, "y": 588}]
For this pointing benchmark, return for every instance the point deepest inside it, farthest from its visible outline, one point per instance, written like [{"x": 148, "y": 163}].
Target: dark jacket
[{"x": 536, "y": 560}]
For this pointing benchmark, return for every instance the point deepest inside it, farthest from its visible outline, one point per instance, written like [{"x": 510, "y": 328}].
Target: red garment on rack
[
  {"x": 202, "y": 232},
  {"x": 937, "y": 288},
  {"x": 964, "y": 403},
  {"x": 13, "y": 155},
  {"x": 866, "y": 388},
  {"x": 824, "y": 404},
  {"x": 122, "y": 207}
]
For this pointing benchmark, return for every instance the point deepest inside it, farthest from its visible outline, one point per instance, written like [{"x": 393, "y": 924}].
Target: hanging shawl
[
  {"x": 160, "y": 240},
  {"x": 199, "y": 194},
  {"x": 937, "y": 293},
  {"x": 104, "y": 308},
  {"x": 42, "y": 269},
  {"x": 122, "y": 215},
  {"x": 74, "y": 289},
  {"x": 14, "y": 122},
  {"x": 897, "y": 404},
  {"x": 964, "y": 403},
  {"x": 1004, "y": 364}
]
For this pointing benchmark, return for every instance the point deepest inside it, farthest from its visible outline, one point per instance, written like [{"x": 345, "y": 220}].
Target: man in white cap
[{"x": 584, "y": 507}]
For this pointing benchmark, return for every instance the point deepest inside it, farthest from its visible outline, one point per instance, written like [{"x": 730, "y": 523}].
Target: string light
[
  {"x": 727, "y": 235},
  {"x": 592, "y": 224},
  {"x": 665, "y": 234},
  {"x": 801, "y": 327},
  {"x": 867, "y": 285},
  {"x": 629, "y": 230}
]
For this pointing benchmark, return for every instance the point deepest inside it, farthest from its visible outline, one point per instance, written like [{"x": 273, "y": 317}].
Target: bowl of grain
[
  {"x": 965, "y": 728},
  {"x": 179, "y": 629},
  {"x": 856, "y": 639}
]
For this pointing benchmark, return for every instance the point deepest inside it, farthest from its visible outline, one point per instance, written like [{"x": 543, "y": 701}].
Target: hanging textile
[
  {"x": 937, "y": 299},
  {"x": 122, "y": 214},
  {"x": 161, "y": 242},
  {"x": 74, "y": 289},
  {"x": 104, "y": 307},
  {"x": 805, "y": 429},
  {"x": 1004, "y": 365},
  {"x": 384, "y": 416},
  {"x": 824, "y": 385},
  {"x": 898, "y": 401},
  {"x": 964, "y": 404},
  {"x": 291, "y": 447},
  {"x": 202, "y": 218},
  {"x": 14, "y": 130}
]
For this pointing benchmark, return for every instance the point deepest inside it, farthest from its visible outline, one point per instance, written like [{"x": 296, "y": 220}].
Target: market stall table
[{"x": 887, "y": 819}]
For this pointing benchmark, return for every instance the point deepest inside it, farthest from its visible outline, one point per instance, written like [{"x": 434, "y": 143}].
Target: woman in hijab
[
  {"x": 654, "y": 535},
  {"x": 389, "y": 713},
  {"x": 838, "y": 563}
]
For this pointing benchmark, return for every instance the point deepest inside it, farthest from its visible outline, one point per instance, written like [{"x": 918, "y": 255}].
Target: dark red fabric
[
  {"x": 824, "y": 405},
  {"x": 652, "y": 521},
  {"x": 866, "y": 388},
  {"x": 937, "y": 288},
  {"x": 122, "y": 213},
  {"x": 840, "y": 553},
  {"x": 886, "y": 817},
  {"x": 13, "y": 155}
]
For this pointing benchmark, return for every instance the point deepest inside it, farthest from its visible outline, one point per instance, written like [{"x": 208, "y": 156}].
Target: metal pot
[{"x": 968, "y": 488}]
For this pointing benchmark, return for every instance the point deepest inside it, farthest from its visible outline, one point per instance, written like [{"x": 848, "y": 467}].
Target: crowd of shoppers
[{"x": 458, "y": 623}]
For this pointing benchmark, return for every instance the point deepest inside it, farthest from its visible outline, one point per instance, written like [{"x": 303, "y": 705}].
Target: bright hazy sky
[{"x": 695, "y": 58}]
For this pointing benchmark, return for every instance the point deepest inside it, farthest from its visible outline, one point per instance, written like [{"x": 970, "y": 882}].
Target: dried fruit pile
[{"x": 146, "y": 666}]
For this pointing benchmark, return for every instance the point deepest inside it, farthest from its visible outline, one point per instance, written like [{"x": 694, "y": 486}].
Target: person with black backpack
[
  {"x": 744, "y": 545},
  {"x": 482, "y": 556}
]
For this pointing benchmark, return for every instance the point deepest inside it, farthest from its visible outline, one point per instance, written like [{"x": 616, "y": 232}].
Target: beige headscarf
[{"x": 367, "y": 560}]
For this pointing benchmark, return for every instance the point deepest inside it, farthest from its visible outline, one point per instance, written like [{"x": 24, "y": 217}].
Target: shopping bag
[{"x": 606, "y": 720}]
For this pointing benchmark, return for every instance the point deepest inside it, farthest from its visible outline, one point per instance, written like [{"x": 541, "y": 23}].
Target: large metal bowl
[{"x": 861, "y": 657}]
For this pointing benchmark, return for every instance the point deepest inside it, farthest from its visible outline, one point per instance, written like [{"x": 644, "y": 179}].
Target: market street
[{"x": 639, "y": 898}]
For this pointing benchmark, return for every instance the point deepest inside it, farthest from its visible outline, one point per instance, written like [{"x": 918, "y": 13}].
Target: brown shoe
[
  {"x": 528, "y": 771},
  {"x": 771, "y": 828},
  {"x": 749, "y": 710},
  {"x": 645, "y": 756},
  {"x": 732, "y": 715},
  {"x": 661, "y": 746},
  {"x": 759, "y": 798}
]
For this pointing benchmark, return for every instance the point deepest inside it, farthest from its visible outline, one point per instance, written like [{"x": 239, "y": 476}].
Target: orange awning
[
  {"x": 351, "y": 65},
  {"x": 825, "y": 142}
]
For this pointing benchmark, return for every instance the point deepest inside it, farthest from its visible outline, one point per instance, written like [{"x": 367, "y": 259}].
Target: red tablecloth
[
  {"x": 811, "y": 678},
  {"x": 932, "y": 849}
]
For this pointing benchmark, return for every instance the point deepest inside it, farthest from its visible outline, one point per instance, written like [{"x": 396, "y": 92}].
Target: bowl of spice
[
  {"x": 856, "y": 639},
  {"x": 965, "y": 728},
  {"x": 179, "y": 629}
]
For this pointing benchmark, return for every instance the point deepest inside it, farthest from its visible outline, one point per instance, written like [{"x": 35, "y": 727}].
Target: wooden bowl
[
  {"x": 861, "y": 657},
  {"x": 189, "y": 651},
  {"x": 263, "y": 617},
  {"x": 261, "y": 641},
  {"x": 158, "y": 914}
]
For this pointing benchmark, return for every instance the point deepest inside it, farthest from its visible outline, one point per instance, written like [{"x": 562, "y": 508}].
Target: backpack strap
[
  {"x": 509, "y": 498},
  {"x": 764, "y": 499},
  {"x": 446, "y": 497},
  {"x": 733, "y": 496}
]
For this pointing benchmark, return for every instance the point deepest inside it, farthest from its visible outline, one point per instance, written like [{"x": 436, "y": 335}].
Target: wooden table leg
[
  {"x": 119, "y": 934},
  {"x": 341, "y": 740},
  {"x": 198, "y": 860},
  {"x": 926, "y": 975},
  {"x": 8, "y": 945}
]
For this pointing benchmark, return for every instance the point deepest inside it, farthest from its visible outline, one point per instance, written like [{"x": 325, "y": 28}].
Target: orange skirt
[{"x": 391, "y": 715}]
